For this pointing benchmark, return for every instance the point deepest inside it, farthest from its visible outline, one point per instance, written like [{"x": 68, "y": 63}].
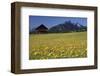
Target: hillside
[{"x": 68, "y": 26}]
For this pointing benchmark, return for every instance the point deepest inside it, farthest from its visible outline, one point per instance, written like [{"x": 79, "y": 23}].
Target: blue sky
[{"x": 49, "y": 21}]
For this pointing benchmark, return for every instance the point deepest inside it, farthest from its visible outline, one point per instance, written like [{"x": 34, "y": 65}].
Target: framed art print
[{"x": 52, "y": 37}]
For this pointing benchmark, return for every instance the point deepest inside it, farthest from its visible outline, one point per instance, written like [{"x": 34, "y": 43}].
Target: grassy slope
[{"x": 61, "y": 45}]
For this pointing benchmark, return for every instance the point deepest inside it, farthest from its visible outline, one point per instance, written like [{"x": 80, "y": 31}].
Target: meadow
[{"x": 58, "y": 45}]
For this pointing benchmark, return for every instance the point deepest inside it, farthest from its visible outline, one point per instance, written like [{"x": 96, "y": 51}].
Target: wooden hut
[{"x": 41, "y": 29}]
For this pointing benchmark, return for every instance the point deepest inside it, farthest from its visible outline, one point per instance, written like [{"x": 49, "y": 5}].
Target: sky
[{"x": 49, "y": 21}]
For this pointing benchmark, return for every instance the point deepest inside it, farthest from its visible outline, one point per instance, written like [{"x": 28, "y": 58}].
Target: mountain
[{"x": 67, "y": 26}]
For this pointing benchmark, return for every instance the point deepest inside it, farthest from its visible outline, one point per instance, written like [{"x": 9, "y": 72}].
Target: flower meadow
[{"x": 57, "y": 45}]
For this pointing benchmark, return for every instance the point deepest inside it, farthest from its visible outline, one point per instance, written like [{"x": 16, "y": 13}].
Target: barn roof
[{"x": 41, "y": 27}]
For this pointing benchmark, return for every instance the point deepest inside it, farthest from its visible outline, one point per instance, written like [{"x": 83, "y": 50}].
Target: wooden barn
[{"x": 41, "y": 29}]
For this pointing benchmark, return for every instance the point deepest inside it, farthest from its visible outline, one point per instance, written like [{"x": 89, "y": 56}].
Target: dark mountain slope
[{"x": 67, "y": 26}]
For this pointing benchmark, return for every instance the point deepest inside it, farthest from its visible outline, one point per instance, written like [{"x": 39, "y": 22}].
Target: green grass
[{"x": 58, "y": 45}]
